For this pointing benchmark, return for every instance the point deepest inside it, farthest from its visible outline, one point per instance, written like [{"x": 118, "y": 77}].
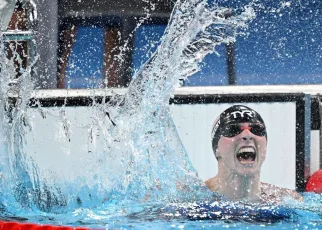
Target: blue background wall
[{"x": 283, "y": 45}]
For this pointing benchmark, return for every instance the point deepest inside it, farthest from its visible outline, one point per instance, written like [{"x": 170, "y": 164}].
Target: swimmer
[{"x": 239, "y": 141}]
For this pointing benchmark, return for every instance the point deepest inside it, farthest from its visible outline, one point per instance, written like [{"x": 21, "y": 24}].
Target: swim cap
[{"x": 234, "y": 115}]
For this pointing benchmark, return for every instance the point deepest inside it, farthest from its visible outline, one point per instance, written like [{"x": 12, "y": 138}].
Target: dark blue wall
[{"x": 283, "y": 45}]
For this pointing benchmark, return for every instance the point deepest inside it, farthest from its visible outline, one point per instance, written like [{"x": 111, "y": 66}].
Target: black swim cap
[{"x": 233, "y": 115}]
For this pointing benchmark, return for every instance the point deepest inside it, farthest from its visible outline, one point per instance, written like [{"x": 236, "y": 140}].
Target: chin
[
  {"x": 250, "y": 171},
  {"x": 248, "y": 168}
]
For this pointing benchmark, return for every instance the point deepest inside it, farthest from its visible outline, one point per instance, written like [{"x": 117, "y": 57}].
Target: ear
[{"x": 217, "y": 153}]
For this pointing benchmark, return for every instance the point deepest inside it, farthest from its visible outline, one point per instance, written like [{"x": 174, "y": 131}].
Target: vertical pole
[
  {"x": 47, "y": 44},
  {"x": 307, "y": 136},
  {"x": 320, "y": 110},
  {"x": 230, "y": 56},
  {"x": 303, "y": 139},
  {"x": 67, "y": 37},
  {"x": 230, "y": 52},
  {"x": 127, "y": 36},
  {"x": 111, "y": 73}
]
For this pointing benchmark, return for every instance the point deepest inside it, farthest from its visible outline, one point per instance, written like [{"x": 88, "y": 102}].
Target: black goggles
[{"x": 235, "y": 129}]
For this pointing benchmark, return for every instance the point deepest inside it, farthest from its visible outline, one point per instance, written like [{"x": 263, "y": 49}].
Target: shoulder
[
  {"x": 211, "y": 184},
  {"x": 273, "y": 193}
]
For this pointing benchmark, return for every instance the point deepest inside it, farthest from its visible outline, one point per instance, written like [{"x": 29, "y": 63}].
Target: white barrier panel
[
  {"x": 293, "y": 148},
  {"x": 68, "y": 150}
]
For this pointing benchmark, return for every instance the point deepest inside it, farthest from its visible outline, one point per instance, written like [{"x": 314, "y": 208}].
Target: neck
[{"x": 238, "y": 187}]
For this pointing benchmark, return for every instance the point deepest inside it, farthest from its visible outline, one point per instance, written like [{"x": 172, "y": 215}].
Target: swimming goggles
[{"x": 233, "y": 130}]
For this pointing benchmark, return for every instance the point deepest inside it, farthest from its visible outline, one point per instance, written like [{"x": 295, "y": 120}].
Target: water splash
[
  {"x": 151, "y": 151},
  {"x": 13, "y": 164},
  {"x": 144, "y": 157},
  {"x": 22, "y": 184}
]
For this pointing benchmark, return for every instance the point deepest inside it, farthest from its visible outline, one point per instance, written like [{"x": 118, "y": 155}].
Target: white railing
[{"x": 206, "y": 90}]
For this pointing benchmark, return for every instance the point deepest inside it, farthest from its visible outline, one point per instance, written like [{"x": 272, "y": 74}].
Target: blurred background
[{"x": 102, "y": 43}]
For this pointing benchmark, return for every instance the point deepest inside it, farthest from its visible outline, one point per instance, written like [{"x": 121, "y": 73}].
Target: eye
[
  {"x": 231, "y": 130},
  {"x": 258, "y": 130}
]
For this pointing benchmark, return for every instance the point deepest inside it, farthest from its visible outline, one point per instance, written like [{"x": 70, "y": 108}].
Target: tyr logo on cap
[{"x": 242, "y": 113}]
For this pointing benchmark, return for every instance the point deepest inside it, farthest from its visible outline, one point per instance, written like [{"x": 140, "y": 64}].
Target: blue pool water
[
  {"x": 143, "y": 177},
  {"x": 200, "y": 215}
]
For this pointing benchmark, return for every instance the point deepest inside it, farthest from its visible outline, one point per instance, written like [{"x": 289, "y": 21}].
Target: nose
[{"x": 246, "y": 135}]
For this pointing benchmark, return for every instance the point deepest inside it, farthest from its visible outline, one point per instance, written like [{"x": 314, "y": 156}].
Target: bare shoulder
[
  {"x": 273, "y": 193},
  {"x": 211, "y": 184}
]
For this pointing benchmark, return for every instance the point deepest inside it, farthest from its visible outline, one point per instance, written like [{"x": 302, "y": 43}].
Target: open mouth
[{"x": 246, "y": 155}]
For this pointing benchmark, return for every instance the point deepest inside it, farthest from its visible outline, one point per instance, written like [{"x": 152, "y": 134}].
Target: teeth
[{"x": 246, "y": 149}]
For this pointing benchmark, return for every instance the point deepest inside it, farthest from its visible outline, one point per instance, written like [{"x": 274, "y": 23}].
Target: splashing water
[
  {"x": 144, "y": 137},
  {"x": 21, "y": 185},
  {"x": 145, "y": 161}
]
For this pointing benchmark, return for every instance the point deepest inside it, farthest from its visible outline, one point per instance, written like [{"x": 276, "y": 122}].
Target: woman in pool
[{"x": 239, "y": 141}]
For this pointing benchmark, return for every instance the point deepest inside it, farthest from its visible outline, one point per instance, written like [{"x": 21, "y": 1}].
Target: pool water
[
  {"x": 133, "y": 181},
  {"x": 187, "y": 215}
]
